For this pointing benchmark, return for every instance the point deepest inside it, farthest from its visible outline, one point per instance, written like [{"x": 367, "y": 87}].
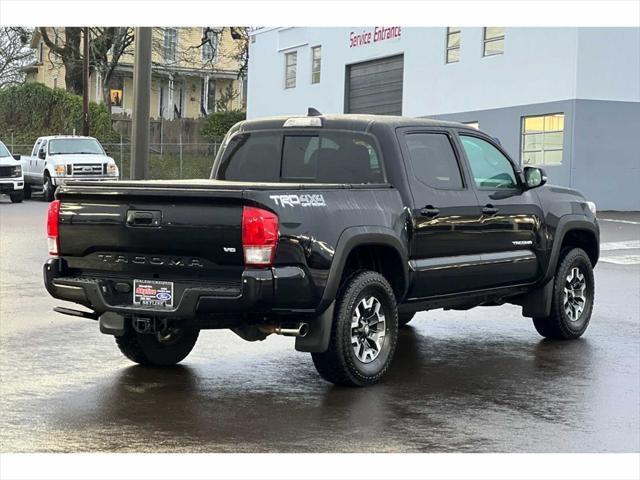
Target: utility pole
[
  {"x": 85, "y": 84},
  {"x": 141, "y": 104}
]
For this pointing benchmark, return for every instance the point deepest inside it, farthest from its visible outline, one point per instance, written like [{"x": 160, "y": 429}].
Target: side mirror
[
  {"x": 16, "y": 156},
  {"x": 42, "y": 155},
  {"x": 534, "y": 177}
]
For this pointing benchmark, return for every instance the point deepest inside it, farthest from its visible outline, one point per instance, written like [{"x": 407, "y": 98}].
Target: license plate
[{"x": 153, "y": 293}]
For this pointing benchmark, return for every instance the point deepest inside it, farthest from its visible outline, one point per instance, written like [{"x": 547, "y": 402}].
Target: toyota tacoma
[{"x": 333, "y": 229}]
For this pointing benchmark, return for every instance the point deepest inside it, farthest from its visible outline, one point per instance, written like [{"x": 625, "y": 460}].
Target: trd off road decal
[{"x": 307, "y": 200}]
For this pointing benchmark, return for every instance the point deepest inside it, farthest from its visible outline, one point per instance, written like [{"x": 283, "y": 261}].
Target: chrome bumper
[{"x": 57, "y": 181}]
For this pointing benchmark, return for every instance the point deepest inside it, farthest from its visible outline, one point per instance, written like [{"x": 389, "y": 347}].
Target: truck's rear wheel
[
  {"x": 160, "y": 349},
  {"x": 364, "y": 333},
  {"x": 572, "y": 302}
]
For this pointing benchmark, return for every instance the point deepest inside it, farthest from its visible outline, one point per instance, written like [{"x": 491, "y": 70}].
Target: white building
[{"x": 567, "y": 99}]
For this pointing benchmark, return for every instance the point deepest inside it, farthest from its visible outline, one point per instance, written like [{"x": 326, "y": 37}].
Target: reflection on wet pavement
[{"x": 445, "y": 392}]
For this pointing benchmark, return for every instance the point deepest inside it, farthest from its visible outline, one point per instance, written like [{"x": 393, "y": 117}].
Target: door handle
[
  {"x": 489, "y": 209},
  {"x": 429, "y": 211}
]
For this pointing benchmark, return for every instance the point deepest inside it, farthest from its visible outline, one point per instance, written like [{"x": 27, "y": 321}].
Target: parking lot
[{"x": 473, "y": 381}]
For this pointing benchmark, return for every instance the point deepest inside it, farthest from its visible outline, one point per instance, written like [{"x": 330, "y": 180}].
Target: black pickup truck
[{"x": 334, "y": 229}]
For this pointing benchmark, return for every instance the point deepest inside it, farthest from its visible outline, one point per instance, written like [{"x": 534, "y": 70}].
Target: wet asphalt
[{"x": 474, "y": 381}]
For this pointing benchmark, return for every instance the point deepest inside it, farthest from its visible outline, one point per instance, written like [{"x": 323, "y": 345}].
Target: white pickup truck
[
  {"x": 11, "y": 181},
  {"x": 62, "y": 159}
]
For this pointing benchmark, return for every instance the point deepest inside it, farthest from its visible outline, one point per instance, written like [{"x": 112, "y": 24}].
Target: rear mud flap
[{"x": 317, "y": 340}]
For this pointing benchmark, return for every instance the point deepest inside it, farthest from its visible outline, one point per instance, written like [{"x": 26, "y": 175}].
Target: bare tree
[
  {"x": 14, "y": 54},
  {"x": 66, "y": 49},
  {"x": 210, "y": 52}
]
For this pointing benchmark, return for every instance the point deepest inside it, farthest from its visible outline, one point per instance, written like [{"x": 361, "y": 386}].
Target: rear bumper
[{"x": 259, "y": 291}]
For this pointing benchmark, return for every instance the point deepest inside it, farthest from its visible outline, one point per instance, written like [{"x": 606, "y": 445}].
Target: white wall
[
  {"x": 539, "y": 65},
  {"x": 609, "y": 64}
]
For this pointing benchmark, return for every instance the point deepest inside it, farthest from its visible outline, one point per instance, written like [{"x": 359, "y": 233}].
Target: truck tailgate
[{"x": 178, "y": 229}]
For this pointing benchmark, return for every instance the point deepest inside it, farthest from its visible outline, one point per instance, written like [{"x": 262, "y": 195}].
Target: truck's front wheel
[
  {"x": 572, "y": 301},
  {"x": 48, "y": 189},
  {"x": 364, "y": 333},
  {"x": 160, "y": 349},
  {"x": 17, "y": 197}
]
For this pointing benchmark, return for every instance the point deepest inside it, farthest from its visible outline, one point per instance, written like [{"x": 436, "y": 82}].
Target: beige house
[{"x": 189, "y": 80}]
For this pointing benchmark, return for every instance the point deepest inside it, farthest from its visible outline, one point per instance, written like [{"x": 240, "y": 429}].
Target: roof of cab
[
  {"x": 351, "y": 121},
  {"x": 51, "y": 137}
]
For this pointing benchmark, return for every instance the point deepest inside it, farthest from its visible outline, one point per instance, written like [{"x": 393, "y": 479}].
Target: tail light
[
  {"x": 53, "y": 235},
  {"x": 259, "y": 236}
]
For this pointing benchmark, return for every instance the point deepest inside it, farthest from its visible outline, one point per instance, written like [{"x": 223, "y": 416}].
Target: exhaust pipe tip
[
  {"x": 300, "y": 330},
  {"x": 303, "y": 329}
]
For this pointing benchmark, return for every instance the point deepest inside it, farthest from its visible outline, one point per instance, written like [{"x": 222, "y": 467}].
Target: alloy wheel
[
  {"x": 575, "y": 294},
  {"x": 368, "y": 329}
]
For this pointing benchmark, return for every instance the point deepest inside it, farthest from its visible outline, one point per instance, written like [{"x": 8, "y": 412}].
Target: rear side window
[
  {"x": 433, "y": 160},
  {"x": 251, "y": 157},
  {"x": 326, "y": 157}
]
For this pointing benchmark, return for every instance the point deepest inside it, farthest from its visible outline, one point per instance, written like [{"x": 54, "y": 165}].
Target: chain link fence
[{"x": 167, "y": 161}]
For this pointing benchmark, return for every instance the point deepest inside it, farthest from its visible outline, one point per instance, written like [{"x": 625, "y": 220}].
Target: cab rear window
[{"x": 304, "y": 157}]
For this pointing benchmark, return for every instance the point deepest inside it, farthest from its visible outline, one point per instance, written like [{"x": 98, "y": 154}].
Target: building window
[
  {"x": 453, "y": 44},
  {"x": 290, "y": 66},
  {"x": 493, "y": 42},
  {"x": 208, "y": 96},
  {"x": 41, "y": 53},
  {"x": 55, "y": 82},
  {"x": 316, "y": 64},
  {"x": 542, "y": 139},
  {"x": 475, "y": 125},
  {"x": 210, "y": 44},
  {"x": 170, "y": 44}
]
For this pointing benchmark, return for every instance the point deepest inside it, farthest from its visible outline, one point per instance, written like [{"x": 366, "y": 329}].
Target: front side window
[
  {"x": 493, "y": 42},
  {"x": 433, "y": 160},
  {"x": 453, "y": 44},
  {"x": 542, "y": 140},
  {"x": 64, "y": 146},
  {"x": 290, "y": 67},
  {"x": 170, "y": 44},
  {"x": 316, "y": 64},
  {"x": 210, "y": 44},
  {"x": 491, "y": 169},
  {"x": 314, "y": 157}
]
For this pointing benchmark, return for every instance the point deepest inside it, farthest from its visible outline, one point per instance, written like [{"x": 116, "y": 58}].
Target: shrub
[
  {"x": 218, "y": 123},
  {"x": 32, "y": 110}
]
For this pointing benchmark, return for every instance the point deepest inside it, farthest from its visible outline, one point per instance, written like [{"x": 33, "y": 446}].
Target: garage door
[{"x": 375, "y": 86}]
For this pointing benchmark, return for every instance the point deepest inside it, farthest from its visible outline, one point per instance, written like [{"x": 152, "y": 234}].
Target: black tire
[
  {"x": 16, "y": 197},
  {"x": 559, "y": 325},
  {"x": 148, "y": 349},
  {"x": 48, "y": 189},
  {"x": 27, "y": 191},
  {"x": 340, "y": 364},
  {"x": 404, "y": 318}
]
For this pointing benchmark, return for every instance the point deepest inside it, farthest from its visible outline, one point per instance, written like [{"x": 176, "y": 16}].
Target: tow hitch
[{"x": 149, "y": 325}]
